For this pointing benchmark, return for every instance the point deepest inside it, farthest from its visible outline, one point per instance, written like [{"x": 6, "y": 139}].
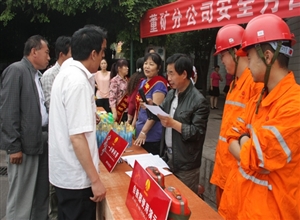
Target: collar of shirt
[
  {"x": 83, "y": 68},
  {"x": 287, "y": 82},
  {"x": 120, "y": 78},
  {"x": 240, "y": 81}
]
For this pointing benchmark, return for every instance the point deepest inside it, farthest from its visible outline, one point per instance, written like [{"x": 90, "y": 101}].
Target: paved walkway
[
  {"x": 208, "y": 155},
  {"x": 213, "y": 129}
]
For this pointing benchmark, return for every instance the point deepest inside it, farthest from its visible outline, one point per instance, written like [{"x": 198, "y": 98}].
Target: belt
[{"x": 45, "y": 128}]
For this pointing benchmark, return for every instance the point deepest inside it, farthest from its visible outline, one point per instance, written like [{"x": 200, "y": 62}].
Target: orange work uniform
[
  {"x": 265, "y": 185},
  {"x": 235, "y": 103}
]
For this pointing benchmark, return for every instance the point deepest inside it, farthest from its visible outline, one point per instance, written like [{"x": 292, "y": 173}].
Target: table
[{"x": 117, "y": 183}]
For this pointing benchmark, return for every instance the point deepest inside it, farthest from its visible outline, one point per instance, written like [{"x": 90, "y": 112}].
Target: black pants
[
  {"x": 124, "y": 117},
  {"x": 75, "y": 204},
  {"x": 152, "y": 147},
  {"x": 103, "y": 103}
]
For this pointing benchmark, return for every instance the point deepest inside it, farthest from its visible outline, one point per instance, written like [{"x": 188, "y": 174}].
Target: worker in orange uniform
[
  {"x": 242, "y": 88},
  {"x": 265, "y": 138}
]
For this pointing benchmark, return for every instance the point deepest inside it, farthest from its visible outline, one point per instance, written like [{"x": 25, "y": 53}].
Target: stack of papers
[{"x": 146, "y": 160}]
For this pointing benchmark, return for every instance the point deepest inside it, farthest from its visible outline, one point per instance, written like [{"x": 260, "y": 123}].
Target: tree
[
  {"x": 20, "y": 18},
  {"x": 197, "y": 44}
]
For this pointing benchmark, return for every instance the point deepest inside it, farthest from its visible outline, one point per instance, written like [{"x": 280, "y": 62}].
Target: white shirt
[
  {"x": 168, "y": 133},
  {"x": 72, "y": 111},
  {"x": 43, "y": 110},
  {"x": 66, "y": 63},
  {"x": 195, "y": 74}
]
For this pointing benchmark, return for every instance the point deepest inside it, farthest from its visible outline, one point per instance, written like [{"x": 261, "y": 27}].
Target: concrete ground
[
  {"x": 3, "y": 184},
  {"x": 208, "y": 157},
  {"x": 209, "y": 148}
]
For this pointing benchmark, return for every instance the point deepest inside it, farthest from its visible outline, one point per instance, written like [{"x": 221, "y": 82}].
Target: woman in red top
[
  {"x": 214, "y": 91},
  {"x": 228, "y": 78},
  {"x": 132, "y": 89}
]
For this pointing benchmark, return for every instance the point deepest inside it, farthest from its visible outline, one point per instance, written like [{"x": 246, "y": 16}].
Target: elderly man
[
  {"x": 24, "y": 126},
  {"x": 185, "y": 127}
]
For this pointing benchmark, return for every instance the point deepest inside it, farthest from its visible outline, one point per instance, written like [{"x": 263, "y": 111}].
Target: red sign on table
[
  {"x": 111, "y": 150},
  {"x": 145, "y": 198}
]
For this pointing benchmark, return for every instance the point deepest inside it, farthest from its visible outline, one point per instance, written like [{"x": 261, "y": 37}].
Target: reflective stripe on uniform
[
  {"x": 235, "y": 129},
  {"x": 281, "y": 141},
  {"x": 222, "y": 138},
  {"x": 258, "y": 149},
  {"x": 279, "y": 138},
  {"x": 239, "y": 104},
  {"x": 240, "y": 120},
  {"x": 254, "y": 179}
]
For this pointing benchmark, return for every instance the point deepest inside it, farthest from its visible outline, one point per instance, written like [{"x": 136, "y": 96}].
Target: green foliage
[
  {"x": 6, "y": 16},
  {"x": 132, "y": 9},
  {"x": 198, "y": 45},
  {"x": 66, "y": 7},
  {"x": 120, "y": 17}
]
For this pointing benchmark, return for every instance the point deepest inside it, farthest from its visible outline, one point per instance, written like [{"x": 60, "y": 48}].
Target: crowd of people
[{"x": 48, "y": 122}]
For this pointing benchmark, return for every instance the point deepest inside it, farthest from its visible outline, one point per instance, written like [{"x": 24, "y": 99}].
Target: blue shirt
[{"x": 154, "y": 134}]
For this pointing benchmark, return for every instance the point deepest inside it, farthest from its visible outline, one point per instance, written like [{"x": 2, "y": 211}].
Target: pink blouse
[{"x": 103, "y": 84}]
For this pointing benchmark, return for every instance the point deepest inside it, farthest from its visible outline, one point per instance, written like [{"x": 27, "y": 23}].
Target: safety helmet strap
[
  {"x": 236, "y": 60},
  {"x": 268, "y": 70}
]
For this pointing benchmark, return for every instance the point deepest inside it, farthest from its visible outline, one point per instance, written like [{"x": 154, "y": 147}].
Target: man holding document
[{"x": 184, "y": 126}]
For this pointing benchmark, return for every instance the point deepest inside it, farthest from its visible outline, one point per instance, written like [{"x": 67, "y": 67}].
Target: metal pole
[{"x": 131, "y": 58}]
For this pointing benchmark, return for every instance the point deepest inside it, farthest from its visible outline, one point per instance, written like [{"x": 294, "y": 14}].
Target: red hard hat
[
  {"x": 228, "y": 36},
  {"x": 265, "y": 28}
]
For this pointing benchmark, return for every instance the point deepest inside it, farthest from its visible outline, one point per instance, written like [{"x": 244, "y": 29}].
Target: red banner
[
  {"x": 189, "y": 15},
  {"x": 146, "y": 199}
]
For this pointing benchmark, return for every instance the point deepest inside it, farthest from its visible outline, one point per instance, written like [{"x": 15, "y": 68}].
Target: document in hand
[
  {"x": 146, "y": 160},
  {"x": 156, "y": 110}
]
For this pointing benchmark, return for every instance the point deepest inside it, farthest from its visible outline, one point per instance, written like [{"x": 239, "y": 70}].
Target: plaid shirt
[{"x": 47, "y": 81}]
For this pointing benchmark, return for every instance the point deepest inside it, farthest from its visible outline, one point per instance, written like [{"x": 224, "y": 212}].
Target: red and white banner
[{"x": 189, "y": 15}]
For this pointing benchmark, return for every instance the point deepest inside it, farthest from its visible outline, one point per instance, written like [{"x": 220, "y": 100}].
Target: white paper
[
  {"x": 129, "y": 173},
  {"x": 162, "y": 171},
  {"x": 146, "y": 160},
  {"x": 156, "y": 110}
]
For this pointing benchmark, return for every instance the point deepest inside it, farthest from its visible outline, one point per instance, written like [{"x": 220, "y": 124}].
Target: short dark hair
[
  {"x": 139, "y": 64},
  {"x": 283, "y": 60},
  {"x": 85, "y": 40},
  {"x": 150, "y": 48},
  {"x": 181, "y": 63},
  {"x": 156, "y": 59},
  {"x": 62, "y": 44},
  {"x": 34, "y": 41}
]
